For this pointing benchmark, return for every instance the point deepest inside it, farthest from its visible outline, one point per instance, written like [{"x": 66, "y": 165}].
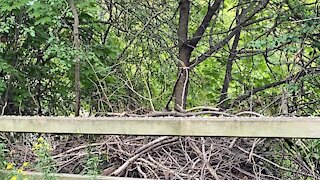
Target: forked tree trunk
[{"x": 186, "y": 47}]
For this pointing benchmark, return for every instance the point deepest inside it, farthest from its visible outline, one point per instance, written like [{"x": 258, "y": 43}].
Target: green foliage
[
  {"x": 14, "y": 172},
  {"x": 3, "y": 152},
  {"x": 44, "y": 161},
  {"x": 128, "y": 60},
  {"x": 92, "y": 165},
  {"x": 129, "y": 56},
  {"x": 47, "y": 11}
]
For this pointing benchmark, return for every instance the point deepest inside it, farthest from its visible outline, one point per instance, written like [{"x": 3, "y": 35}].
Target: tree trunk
[
  {"x": 76, "y": 43},
  {"x": 181, "y": 88}
]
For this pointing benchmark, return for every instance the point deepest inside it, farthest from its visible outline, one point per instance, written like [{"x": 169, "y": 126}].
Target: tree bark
[
  {"x": 181, "y": 88},
  {"x": 76, "y": 43},
  {"x": 186, "y": 47}
]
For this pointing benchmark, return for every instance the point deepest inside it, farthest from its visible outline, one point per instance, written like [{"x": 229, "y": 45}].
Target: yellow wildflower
[
  {"x": 25, "y": 164},
  {"x": 9, "y": 166},
  {"x": 13, "y": 178},
  {"x": 37, "y": 146},
  {"x": 40, "y": 140}
]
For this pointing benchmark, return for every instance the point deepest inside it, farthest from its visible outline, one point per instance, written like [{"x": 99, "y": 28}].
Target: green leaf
[{"x": 43, "y": 20}]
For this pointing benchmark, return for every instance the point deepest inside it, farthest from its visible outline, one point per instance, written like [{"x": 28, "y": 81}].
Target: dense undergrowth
[{"x": 160, "y": 157}]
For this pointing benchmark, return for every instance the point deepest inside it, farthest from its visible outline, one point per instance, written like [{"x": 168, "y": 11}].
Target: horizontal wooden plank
[
  {"x": 299, "y": 127},
  {"x": 60, "y": 176}
]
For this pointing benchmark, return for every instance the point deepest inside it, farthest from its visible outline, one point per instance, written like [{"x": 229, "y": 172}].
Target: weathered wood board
[
  {"x": 295, "y": 127},
  {"x": 60, "y": 176}
]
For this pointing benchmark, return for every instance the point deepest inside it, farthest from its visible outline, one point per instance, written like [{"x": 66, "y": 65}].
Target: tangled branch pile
[{"x": 168, "y": 157}]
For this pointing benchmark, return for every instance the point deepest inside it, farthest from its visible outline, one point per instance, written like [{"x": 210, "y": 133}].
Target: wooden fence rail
[
  {"x": 61, "y": 176},
  {"x": 291, "y": 127}
]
